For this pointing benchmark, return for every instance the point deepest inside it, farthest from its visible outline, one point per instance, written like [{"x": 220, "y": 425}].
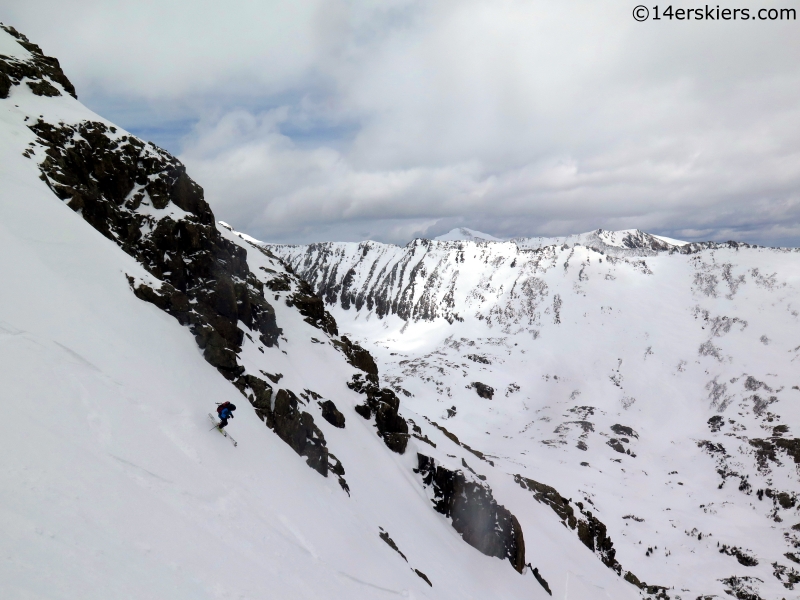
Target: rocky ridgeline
[
  {"x": 40, "y": 72},
  {"x": 140, "y": 197},
  {"x": 420, "y": 281},
  {"x": 627, "y": 243}
]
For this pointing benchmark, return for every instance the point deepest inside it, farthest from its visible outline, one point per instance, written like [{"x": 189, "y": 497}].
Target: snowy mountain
[
  {"x": 127, "y": 311},
  {"x": 628, "y": 242},
  {"x": 655, "y": 384},
  {"x": 464, "y": 234}
]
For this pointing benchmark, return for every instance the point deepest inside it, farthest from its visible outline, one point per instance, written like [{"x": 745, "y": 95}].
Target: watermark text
[{"x": 712, "y": 13}]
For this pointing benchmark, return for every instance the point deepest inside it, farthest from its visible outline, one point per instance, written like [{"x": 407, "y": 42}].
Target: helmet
[{"x": 232, "y": 407}]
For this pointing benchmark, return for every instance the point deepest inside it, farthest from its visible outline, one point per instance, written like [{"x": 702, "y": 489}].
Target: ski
[{"x": 222, "y": 431}]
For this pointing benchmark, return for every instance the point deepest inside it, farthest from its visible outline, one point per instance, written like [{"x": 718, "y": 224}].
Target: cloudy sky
[{"x": 311, "y": 120}]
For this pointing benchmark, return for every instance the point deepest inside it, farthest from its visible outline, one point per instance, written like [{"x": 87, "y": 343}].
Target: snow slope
[
  {"x": 112, "y": 483},
  {"x": 658, "y": 386}
]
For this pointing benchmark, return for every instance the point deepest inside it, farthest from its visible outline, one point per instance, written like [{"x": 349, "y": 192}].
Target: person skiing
[{"x": 225, "y": 412}]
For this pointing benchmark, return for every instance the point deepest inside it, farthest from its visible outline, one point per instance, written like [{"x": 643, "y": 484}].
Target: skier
[{"x": 225, "y": 412}]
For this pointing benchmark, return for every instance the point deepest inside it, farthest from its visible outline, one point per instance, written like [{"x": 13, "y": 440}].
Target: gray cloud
[{"x": 345, "y": 120}]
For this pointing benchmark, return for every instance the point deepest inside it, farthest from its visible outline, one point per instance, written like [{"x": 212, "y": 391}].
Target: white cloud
[{"x": 389, "y": 119}]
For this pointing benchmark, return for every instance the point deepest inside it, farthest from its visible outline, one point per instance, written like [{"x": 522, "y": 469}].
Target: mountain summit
[{"x": 465, "y": 234}]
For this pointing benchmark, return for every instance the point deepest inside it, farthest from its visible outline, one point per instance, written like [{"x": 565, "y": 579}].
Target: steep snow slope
[
  {"x": 658, "y": 387},
  {"x": 125, "y": 314}
]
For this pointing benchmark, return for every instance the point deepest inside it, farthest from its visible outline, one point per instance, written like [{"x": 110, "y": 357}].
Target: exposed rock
[
  {"x": 742, "y": 556},
  {"x": 479, "y": 359},
  {"x": 624, "y": 431},
  {"x": 417, "y": 433},
  {"x": 206, "y": 282},
  {"x": 715, "y": 423},
  {"x": 297, "y": 428},
  {"x": 331, "y": 414},
  {"x": 423, "y": 576},
  {"x": 335, "y": 467},
  {"x": 273, "y": 377},
  {"x": 616, "y": 445},
  {"x": 260, "y": 396},
  {"x": 482, "y": 522},
  {"x": 383, "y": 404},
  {"x": 359, "y": 358},
  {"x": 312, "y": 308},
  {"x": 483, "y": 390},
  {"x": 540, "y": 579},
  {"x": 780, "y": 430},
  {"x": 37, "y": 70},
  {"x": 788, "y": 576},
  {"x": 742, "y": 588},
  {"x": 766, "y": 450},
  {"x": 453, "y": 438},
  {"x": 5, "y": 84},
  {"x": 43, "y": 88},
  {"x": 384, "y": 535}
]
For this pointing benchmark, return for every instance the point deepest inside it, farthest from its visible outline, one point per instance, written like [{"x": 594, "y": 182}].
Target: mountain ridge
[{"x": 600, "y": 367}]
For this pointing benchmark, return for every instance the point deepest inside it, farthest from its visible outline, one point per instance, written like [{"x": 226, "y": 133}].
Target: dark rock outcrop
[
  {"x": 624, "y": 431},
  {"x": 331, "y": 414},
  {"x": 483, "y": 390},
  {"x": 383, "y": 404},
  {"x": 384, "y": 535},
  {"x": 540, "y": 579},
  {"x": 744, "y": 559},
  {"x": 359, "y": 358},
  {"x": 205, "y": 281},
  {"x": 43, "y": 88},
  {"x": 40, "y": 70},
  {"x": 297, "y": 428},
  {"x": 422, "y": 576},
  {"x": 482, "y": 522},
  {"x": 766, "y": 449},
  {"x": 715, "y": 423},
  {"x": 616, "y": 445},
  {"x": 312, "y": 308}
]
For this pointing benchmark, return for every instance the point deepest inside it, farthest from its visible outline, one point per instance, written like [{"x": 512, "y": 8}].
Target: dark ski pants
[{"x": 223, "y": 423}]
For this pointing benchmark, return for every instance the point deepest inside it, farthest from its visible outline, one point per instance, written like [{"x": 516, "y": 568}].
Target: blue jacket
[{"x": 225, "y": 413}]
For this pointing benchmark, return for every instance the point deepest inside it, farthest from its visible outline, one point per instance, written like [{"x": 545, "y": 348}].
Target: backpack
[{"x": 223, "y": 405}]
